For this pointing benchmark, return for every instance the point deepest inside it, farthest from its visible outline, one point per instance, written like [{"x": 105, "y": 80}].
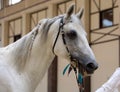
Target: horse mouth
[
  {"x": 81, "y": 69},
  {"x": 84, "y": 70}
]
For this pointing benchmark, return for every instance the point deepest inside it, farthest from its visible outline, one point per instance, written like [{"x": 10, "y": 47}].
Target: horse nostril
[{"x": 92, "y": 66}]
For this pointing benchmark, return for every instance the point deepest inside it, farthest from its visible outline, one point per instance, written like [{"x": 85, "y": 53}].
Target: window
[
  {"x": 12, "y": 2},
  {"x": 14, "y": 29},
  {"x": 106, "y": 18},
  {"x": 1, "y": 4},
  {"x": 17, "y": 37}
]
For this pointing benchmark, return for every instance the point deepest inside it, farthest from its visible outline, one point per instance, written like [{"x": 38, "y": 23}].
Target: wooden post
[
  {"x": 4, "y": 33},
  {"x": 52, "y": 72},
  {"x": 26, "y": 24},
  {"x": 52, "y": 76}
]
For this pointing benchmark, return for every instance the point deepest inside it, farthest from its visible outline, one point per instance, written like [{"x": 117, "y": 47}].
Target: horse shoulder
[
  {"x": 10, "y": 81},
  {"x": 5, "y": 80}
]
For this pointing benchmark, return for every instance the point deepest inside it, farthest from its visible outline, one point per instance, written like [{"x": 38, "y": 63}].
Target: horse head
[{"x": 71, "y": 42}]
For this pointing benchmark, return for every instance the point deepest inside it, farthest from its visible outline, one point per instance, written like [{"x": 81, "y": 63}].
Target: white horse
[
  {"x": 24, "y": 63},
  {"x": 112, "y": 84}
]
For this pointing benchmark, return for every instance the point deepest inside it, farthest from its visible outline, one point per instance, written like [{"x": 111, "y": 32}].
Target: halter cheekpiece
[
  {"x": 63, "y": 36},
  {"x": 79, "y": 77}
]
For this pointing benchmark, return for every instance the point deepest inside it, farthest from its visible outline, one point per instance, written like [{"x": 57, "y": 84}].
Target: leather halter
[
  {"x": 77, "y": 72},
  {"x": 63, "y": 37}
]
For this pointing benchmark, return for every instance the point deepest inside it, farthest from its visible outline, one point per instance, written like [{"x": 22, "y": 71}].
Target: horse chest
[{"x": 11, "y": 81}]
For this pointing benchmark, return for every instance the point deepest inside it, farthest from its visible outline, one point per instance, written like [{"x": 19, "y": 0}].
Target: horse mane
[{"x": 47, "y": 25}]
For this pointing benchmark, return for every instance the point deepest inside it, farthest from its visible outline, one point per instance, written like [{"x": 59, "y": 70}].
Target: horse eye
[{"x": 72, "y": 34}]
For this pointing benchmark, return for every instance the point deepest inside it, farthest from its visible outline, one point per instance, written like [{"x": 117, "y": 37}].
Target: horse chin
[{"x": 84, "y": 71}]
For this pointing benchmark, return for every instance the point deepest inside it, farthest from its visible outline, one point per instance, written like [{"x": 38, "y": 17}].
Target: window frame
[
  {"x": 13, "y": 29},
  {"x": 8, "y": 3},
  {"x": 101, "y": 18}
]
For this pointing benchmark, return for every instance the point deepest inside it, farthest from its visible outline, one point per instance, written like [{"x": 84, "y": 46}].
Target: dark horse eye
[{"x": 72, "y": 34}]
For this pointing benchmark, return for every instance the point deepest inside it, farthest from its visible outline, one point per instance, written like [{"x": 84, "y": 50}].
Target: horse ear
[
  {"x": 80, "y": 13},
  {"x": 70, "y": 11}
]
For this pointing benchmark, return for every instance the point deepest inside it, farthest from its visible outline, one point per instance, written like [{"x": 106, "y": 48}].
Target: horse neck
[
  {"x": 31, "y": 60},
  {"x": 40, "y": 59},
  {"x": 41, "y": 55}
]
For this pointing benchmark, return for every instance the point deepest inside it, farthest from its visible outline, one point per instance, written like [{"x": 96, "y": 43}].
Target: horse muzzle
[{"x": 89, "y": 65}]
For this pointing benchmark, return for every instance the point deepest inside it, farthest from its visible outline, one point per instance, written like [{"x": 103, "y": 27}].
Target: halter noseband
[{"x": 79, "y": 77}]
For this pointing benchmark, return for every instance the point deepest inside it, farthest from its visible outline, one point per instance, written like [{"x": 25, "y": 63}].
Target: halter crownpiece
[
  {"x": 60, "y": 30},
  {"x": 74, "y": 63}
]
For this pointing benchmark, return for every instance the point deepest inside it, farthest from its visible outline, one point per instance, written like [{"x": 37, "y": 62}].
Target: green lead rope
[
  {"x": 79, "y": 76},
  {"x": 65, "y": 69}
]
